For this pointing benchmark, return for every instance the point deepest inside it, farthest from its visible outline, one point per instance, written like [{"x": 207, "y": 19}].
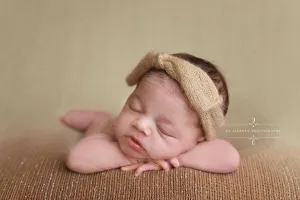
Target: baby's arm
[
  {"x": 85, "y": 120},
  {"x": 217, "y": 156},
  {"x": 95, "y": 153}
]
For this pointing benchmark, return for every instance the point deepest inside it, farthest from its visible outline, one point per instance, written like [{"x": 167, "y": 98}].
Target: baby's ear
[{"x": 201, "y": 139}]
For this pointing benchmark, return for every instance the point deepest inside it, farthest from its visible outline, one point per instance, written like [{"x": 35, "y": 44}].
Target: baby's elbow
[
  {"x": 231, "y": 157},
  {"x": 76, "y": 163},
  {"x": 233, "y": 161},
  {"x": 73, "y": 164}
]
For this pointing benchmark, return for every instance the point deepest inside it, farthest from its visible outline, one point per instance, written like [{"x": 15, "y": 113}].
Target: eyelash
[
  {"x": 160, "y": 129},
  {"x": 135, "y": 110}
]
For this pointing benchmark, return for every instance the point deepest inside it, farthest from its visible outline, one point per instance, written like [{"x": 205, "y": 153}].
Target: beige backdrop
[{"x": 59, "y": 55}]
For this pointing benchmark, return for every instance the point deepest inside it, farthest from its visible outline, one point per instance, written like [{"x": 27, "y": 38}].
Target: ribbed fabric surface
[{"x": 32, "y": 168}]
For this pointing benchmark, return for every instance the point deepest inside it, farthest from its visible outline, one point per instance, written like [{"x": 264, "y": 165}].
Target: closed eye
[
  {"x": 164, "y": 132},
  {"x": 134, "y": 109}
]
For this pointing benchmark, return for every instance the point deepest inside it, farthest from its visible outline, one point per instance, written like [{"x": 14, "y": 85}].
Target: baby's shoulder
[{"x": 109, "y": 127}]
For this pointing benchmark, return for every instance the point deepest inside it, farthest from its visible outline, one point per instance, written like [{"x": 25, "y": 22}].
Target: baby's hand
[{"x": 152, "y": 165}]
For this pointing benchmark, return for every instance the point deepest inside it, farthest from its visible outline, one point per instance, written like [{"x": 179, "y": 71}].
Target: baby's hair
[{"x": 212, "y": 71}]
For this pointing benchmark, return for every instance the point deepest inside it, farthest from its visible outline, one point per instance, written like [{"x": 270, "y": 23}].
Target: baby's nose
[{"x": 143, "y": 124}]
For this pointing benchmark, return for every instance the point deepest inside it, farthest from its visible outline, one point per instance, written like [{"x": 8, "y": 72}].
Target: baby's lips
[{"x": 136, "y": 146}]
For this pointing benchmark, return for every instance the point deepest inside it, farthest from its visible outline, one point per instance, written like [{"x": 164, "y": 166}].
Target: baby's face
[{"x": 156, "y": 121}]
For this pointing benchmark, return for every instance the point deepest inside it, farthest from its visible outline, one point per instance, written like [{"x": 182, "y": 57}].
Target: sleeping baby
[{"x": 169, "y": 120}]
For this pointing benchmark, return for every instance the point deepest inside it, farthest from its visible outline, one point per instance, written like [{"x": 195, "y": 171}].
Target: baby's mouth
[{"x": 133, "y": 143}]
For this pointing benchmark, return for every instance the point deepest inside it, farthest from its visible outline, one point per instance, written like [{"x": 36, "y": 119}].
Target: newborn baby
[{"x": 169, "y": 120}]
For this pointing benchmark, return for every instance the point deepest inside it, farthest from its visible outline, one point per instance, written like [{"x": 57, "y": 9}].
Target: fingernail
[
  {"x": 176, "y": 164},
  {"x": 166, "y": 166}
]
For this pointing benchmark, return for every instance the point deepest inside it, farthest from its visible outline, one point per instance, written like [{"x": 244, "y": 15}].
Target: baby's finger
[
  {"x": 164, "y": 164},
  {"x": 146, "y": 167},
  {"x": 131, "y": 167},
  {"x": 174, "y": 162}
]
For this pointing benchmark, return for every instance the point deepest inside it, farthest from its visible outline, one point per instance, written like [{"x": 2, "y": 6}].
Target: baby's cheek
[
  {"x": 119, "y": 128},
  {"x": 188, "y": 145},
  {"x": 175, "y": 148},
  {"x": 163, "y": 150},
  {"x": 122, "y": 121}
]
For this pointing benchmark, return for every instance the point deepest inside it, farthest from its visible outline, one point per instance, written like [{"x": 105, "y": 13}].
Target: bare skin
[
  {"x": 143, "y": 138},
  {"x": 100, "y": 125}
]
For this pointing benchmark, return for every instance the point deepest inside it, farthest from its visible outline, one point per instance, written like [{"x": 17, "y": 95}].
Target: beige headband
[{"x": 197, "y": 85}]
